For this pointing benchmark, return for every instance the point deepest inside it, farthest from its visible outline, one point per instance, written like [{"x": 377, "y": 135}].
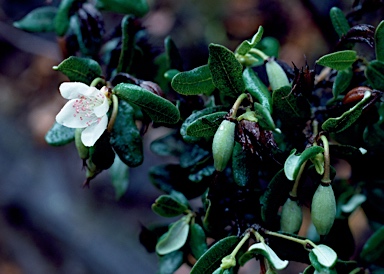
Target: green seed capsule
[
  {"x": 323, "y": 209},
  {"x": 276, "y": 75},
  {"x": 82, "y": 150},
  {"x": 291, "y": 217},
  {"x": 223, "y": 143}
]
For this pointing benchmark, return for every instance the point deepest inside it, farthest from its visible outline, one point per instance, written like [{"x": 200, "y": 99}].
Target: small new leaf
[
  {"x": 194, "y": 82},
  {"x": 197, "y": 241},
  {"x": 338, "y": 60},
  {"x": 325, "y": 256},
  {"x": 339, "y": 21},
  {"x": 79, "y": 69},
  {"x": 246, "y": 46}
]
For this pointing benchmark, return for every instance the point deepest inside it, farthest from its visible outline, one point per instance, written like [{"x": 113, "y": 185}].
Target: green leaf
[
  {"x": 265, "y": 251},
  {"x": 342, "y": 81},
  {"x": 61, "y": 23},
  {"x": 136, "y": 7},
  {"x": 339, "y": 60},
  {"x": 347, "y": 118},
  {"x": 291, "y": 110},
  {"x": 169, "y": 263},
  {"x": 38, "y": 20},
  {"x": 375, "y": 74},
  {"x": 339, "y": 21},
  {"x": 373, "y": 249},
  {"x": 158, "y": 109},
  {"x": 128, "y": 30},
  {"x": 194, "y": 116},
  {"x": 125, "y": 136},
  {"x": 243, "y": 166},
  {"x": 274, "y": 197},
  {"x": 206, "y": 125},
  {"x": 325, "y": 255},
  {"x": 211, "y": 259},
  {"x": 246, "y": 46},
  {"x": 198, "y": 176},
  {"x": 168, "y": 206},
  {"x": 226, "y": 71},
  {"x": 276, "y": 75},
  {"x": 79, "y": 69},
  {"x": 294, "y": 162},
  {"x": 197, "y": 241},
  {"x": 60, "y": 135},
  {"x": 270, "y": 46},
  {"x": 194, "y": 82},
  {"x": 120, "y": 177},
  {"x": 194, "y": 156},
  {"x": 169, "y": 145},
  {"x": 174, "y": 60},
  {"x": 257, "y": 89},
  {"x": 264, "y": 117},
  {"x": 379, "y": 42},
  {"x": 175, "y": 238}
]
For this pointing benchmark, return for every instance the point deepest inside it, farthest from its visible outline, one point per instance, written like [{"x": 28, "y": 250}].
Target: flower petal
[
  {"x": 70, "y": 118},
  {"x": 91, "y": 134},
  {"x": 72, "y": 90},
  {"x": 102, "y": 109}
]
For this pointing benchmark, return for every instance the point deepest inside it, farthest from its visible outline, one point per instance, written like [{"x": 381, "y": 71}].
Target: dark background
[{"x": 48, "y": 223}]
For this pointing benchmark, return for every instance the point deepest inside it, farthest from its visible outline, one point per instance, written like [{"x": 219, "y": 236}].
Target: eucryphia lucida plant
[{"x": 255, "y": 138}]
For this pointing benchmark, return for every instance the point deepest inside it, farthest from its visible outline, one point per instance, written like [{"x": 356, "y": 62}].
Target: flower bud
[
  {"x": 223, "y": 143},
  {"x": 291, "y": 216},
  {"x": 323, "y": 209},
  {"x": 276, "y": 75}
]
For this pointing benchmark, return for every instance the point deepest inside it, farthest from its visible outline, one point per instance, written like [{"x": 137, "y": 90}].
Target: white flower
[{"x": 87, "y": 108}]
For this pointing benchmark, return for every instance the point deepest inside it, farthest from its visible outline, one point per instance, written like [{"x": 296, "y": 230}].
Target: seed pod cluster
[
  {"x": 223, "y": 143},
  {"x": 291, "y": 216},
  {"x": 323, "y": 209}
]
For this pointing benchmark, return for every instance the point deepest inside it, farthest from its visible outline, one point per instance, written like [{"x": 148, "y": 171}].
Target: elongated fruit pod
[
  {"x": 276, "y": 75},
  {"x": 323, "y": 209},
  {"x": 82, "y": 150},
  {"x": 223, "y": 143},
  {"x": 291, "y": 216}
]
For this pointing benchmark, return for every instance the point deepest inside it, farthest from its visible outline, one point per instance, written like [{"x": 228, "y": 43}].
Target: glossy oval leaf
[
  {"x": 59, "y": 135},
  {"x": 211, "y": 259},
  {"x": 79, "y": 69},
  {"x": 375, "y": 74},
  {"x": 136, "y": 7},
  {"x": 120, "y": 177},
  {"x": 379, "y": 41},
  {"x": 294, "y": 162},
  {"x": 338, "y": 60},
  {"x": 265, "y": 251},
  {"x": 373, "y": 249},
  {"x": 197, "y": 241},
  {"x": 169, "y": 145},
  {"x": 347, "y": 118},
  {"x": 264, "y": 117},
  {"x": 206, "y": 125},
  {"x": 167, "y": 206},
  {"x": 125, "y": 136},
  {"x": 158, "y": 109},
  {"x": 194, "y": 82},
  {"x": 246, "y": 46},
  {"x": 38, "y": 20},
  {"x": 175, "y": 238},
  {"x": 226, "y": 70},
  {"x": 128, "y": 30},
  {"x": 325, "y": 256},
  {"x": 61, "y": 23},
  {"x": 257, "y": 89},
  {"x": 339, "y": 21}
]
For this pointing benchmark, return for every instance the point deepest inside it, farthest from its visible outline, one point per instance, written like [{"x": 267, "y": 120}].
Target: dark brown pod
[{"x": 355, "y": 94}]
